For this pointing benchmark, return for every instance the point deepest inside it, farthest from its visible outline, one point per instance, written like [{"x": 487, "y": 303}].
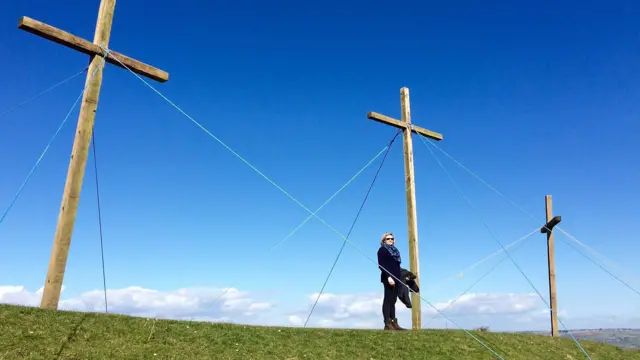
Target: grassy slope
[{"x": 31, "y": 333}]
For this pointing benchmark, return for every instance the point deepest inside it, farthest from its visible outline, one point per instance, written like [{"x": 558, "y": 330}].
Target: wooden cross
[
  {"x": 80, "y": 152},
  {"x": 405, "y": 124},
  {"x": 548, "y": 229}
]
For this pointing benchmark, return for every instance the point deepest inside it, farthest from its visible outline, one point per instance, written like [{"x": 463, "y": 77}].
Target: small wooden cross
[
  {"x": 412, "y": 217},
  {"x": 84, "y": 131},
  {"x": 551, "y": 262}
]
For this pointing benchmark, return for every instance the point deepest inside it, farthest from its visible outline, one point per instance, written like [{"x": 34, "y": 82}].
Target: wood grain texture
[
  {"x": 412, "y": 213},
  {"x": 84, "y": 130},
  {"x": 410, "y": 189},
  {"x": 551, "y": 264},
  {"x": 93, "y": 49},
  {"x": 402, "y": 125}
]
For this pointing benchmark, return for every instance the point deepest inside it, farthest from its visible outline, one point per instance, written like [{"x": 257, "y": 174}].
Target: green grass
[{"x": 31, "y": 333}]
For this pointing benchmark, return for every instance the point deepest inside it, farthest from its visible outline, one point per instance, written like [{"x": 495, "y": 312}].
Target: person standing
[{"x": 391, "y": 277}]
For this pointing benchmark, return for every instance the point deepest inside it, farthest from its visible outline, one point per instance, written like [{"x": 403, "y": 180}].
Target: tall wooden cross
[
  {"x": 408, "y": 128},
  {"x": 80, "y": 152},
  {"x": 551, "y": 262}
]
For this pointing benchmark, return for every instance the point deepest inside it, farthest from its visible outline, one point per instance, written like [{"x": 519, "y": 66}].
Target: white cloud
[
  {"x": 195, "y": 304},
  {"x": 295, "y": 320},
  {"x": 498, "y": 311},
  {"x": 489, "y": 304},
  {"x": 18, "y": 295},
  {"x": 475, "y": 309}
]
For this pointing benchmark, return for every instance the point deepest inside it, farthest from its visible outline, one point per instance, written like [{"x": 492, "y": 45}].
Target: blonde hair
[{"x": 384, "y": 236}]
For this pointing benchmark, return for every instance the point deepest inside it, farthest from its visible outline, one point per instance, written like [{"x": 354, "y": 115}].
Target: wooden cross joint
[
  {"x": 84, "y": 46},
  {"x": 404, "y": 125},
  {"x": 548, "y": 227}
]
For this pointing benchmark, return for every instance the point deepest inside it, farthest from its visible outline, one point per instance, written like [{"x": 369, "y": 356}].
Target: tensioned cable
[
  {"x": 43, "y": 92},
  {"x": 483, "y": 276},
  {"x": 478, "y": 263},
  {"x": 294, "y": 199},
  {"x": 311, "y": 216},
  {"x": 95, "y": 166},
  {"x": 352, "y": 226},
  {"x": 601, "y": 267},
  {"x": 558, "y": 228},
  {"x": 604, "y": 259},
  {"x": 330, "y": 198},
  {"x": 502, "y": 246},
  {"x": 64, "y": 121}
]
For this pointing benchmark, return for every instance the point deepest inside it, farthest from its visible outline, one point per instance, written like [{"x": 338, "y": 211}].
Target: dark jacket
[
  {"x": 403, "y": 292},
  {"x": 385, "y": 260}
]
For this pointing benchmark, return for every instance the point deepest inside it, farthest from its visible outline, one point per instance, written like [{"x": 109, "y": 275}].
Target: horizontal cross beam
[
  {"x": 551, "y": 224},
  {"x": 403, "y": 125},
  {"x": 77, "y": 43}
]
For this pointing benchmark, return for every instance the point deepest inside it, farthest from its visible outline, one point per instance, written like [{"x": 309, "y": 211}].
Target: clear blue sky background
[{"x": 536, "y": 99}]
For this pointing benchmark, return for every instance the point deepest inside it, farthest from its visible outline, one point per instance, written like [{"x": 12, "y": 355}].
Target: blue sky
[{"x": 535, "y": 99}]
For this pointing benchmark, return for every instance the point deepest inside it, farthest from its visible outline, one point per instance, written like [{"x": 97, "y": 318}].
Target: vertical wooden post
[
  {"x": 78, "y": 162},
  {"x": 548, "y": 229},
  {"x": 84, "y": 130},
  {"x": 412, "y": 216}
]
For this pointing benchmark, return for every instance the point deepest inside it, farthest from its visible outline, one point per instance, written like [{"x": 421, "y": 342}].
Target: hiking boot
[
  {"x": 394, "y": 324},
  {"x": 388, "y": 325}
]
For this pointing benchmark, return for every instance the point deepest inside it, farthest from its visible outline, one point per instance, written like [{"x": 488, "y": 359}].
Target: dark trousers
[{"x": 389, "y": 300}]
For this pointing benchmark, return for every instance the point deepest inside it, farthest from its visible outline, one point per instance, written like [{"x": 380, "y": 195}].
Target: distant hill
[{"x": 624, "y": 338}]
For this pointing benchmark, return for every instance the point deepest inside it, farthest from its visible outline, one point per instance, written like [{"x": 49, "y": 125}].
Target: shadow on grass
[{"x": 72, "y": 334}]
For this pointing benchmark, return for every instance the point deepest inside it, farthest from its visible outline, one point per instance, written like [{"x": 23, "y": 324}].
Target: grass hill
[{"x": 31, "y": 333}]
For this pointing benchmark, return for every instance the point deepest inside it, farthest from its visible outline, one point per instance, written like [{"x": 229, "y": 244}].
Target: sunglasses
[{"x": 389, "y": 239}]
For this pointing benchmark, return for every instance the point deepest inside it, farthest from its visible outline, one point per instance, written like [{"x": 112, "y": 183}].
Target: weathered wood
[
  {"x": 79, "y": 154},
  {"x": 77, "y": 43},
  {"x": 551, "y": 222},
  {"x": 402, "y": 125},
  {"x": 412, "y": 215},
  {"x": 84, "y": 130},
  {"x": 410, "y": 190}
]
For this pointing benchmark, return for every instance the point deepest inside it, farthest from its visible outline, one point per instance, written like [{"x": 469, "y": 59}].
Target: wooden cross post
[
  {"x": 80, "y": 151},
  {"x": 412, "y": 217},
  {"x": 548, "y": 229}
]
